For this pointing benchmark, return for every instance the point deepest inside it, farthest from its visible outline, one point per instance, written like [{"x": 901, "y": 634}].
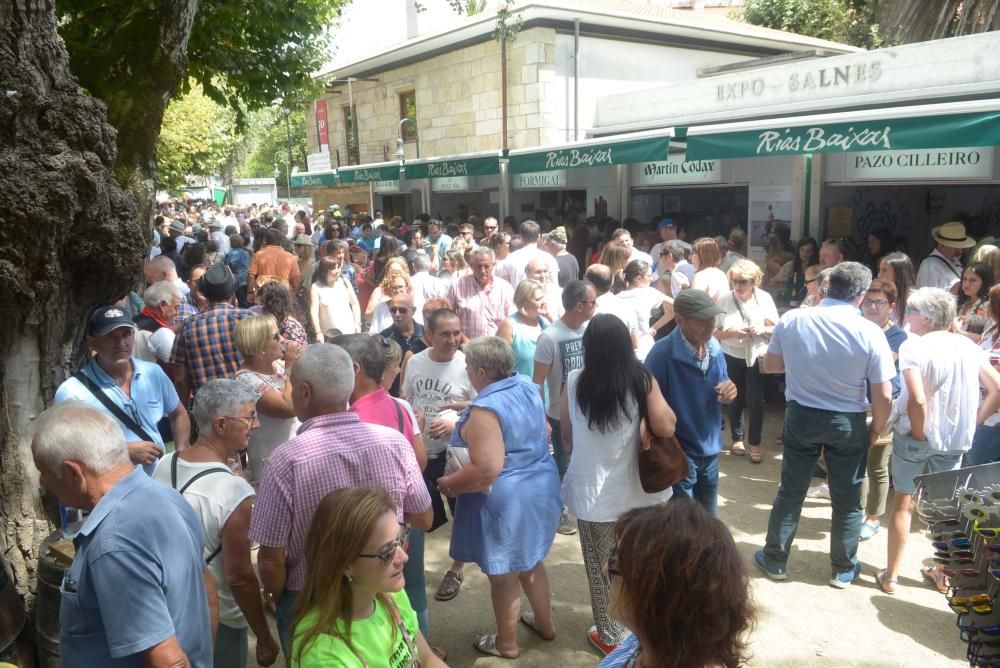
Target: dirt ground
[{"x": 801, "y": 622}]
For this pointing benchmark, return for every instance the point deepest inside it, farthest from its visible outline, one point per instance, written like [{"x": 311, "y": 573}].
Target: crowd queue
[{"x": 330, "y": 388}]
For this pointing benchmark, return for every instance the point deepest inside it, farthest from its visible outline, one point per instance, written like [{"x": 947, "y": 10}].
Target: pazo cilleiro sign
[
  {"x": 676, "y": 170},
  {"x": 955, "y": 163}
]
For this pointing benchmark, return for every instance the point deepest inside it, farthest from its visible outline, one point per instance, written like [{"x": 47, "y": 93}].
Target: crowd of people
[{"x": 331, "y": 386}]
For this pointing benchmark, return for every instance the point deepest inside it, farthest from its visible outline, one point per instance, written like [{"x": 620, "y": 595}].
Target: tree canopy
[
  {"x": 845, "y": 21},
  {"x": 198, "y": 137}
]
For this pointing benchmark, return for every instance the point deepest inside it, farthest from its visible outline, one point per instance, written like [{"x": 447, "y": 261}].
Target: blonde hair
[
  {"x": 989, "y": 254},
  {"x": 391, "y": 274},
  {"x": 340, "y": 528},
  {"x": 526, "y": 289},
  {"x": 253, "y": 333},
  {"x": 746, "y": 269}
]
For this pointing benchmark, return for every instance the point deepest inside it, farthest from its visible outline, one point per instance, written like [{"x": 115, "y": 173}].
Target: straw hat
[{"x": 952, "y": 235}]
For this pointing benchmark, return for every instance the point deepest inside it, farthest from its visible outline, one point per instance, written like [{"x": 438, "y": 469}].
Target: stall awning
[
  {"x": 327, "y": 179},
  {"x": 898, "y": 128},
  {"x": 601, "y": 152},
  {"x": 382, "y": 171},
  {"x": 475, "y": 164}
]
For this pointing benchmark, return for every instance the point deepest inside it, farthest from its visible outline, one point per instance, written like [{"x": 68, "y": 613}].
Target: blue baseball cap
[{"x": 666, "y": 222}]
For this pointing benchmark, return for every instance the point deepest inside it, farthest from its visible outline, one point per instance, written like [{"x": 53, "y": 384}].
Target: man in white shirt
[
  {"x": 425, "y": 286},
  {"x": 538, "y": 269},
  {"x": 674, "y": 256},
  {"x": 667, "y": 232},
  {"x": 518, "y": 260},
  {"x": 621, "y": 235},
  {"x": 599, "y": 276},
  {"x": 943, "y": 267},
  {"x": 435, "y": 381},
  {"x": 218, "y": 236}
]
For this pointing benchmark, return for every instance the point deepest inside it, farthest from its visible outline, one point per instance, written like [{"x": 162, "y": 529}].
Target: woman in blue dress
[{"x": 508, "y": 501}]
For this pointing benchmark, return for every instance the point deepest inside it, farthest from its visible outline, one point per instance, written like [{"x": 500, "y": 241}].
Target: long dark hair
[
  {"x": 905, "y": 279},
  {"x": 798, "y": 269},
  {"x": 985, "y": 274},
  {"x": 613, "y": 380},
  {"x": 388, "y": 249}
]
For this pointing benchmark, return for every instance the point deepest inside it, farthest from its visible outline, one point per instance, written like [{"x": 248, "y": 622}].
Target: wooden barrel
[{"x": 50, "y": 575}]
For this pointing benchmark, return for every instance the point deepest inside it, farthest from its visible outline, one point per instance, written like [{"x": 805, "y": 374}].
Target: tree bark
[{"x": 70, "y": 239}]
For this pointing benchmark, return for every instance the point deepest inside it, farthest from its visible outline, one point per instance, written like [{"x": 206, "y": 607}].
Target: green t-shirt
[{"x": 372, "y": 639}]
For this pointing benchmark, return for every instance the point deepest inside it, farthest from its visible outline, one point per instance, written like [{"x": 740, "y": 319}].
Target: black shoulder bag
[
  {"x": 112, "y": 407},
  {"x": 194, "y": 478}
]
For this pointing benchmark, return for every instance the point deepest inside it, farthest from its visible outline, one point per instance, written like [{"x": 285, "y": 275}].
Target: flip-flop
[
  {"x": 756, "y": 456},
  {"x": 887, "y": 586},
  {"x": 487, "y": 644},
  {"x": 528, "y": 619},
  {"x": 934, "y": 579},
  {"x": 738, "y": 449}
]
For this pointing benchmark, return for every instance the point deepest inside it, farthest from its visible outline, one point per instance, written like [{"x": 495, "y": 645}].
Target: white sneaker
[{"x": 820, "y": 491}]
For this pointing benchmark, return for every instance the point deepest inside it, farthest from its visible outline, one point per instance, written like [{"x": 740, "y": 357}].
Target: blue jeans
[
  {"x": 702, "y": 483},
  {"x": 985, "y": 447},
  {"x": 284, "y": 612},
  {"x": 416, "y": 578},
  {"x": 561, "y": 456},
  {"x": 843, "y": 440},
  {"x": 232, "y": 647},
  {"x": 911, "y": 458}
]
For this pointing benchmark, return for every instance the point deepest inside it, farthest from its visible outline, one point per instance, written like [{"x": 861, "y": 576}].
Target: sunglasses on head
[{"x": 388, "y": 553}]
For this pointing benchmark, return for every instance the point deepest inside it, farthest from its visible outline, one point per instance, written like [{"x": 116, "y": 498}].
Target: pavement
[{"x": 801, "y": 622}]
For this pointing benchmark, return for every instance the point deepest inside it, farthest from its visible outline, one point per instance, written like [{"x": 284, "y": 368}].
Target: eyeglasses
[
  {"x": 249, "y": 419},
  {"x": 386, "y": 554},
  {"x": 613, "y": 562},
  {"x": 868, "y": 303},
  {"x": 399, "y": 309}
]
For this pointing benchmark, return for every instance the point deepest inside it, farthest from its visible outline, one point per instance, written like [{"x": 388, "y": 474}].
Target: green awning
[
  {"x": 918, "y": 132},
  {"x": 437, "y": 168},
  {"x": 368, "y": 173},
  {"x": 311, "y": 180},
  {"x": 594, "y": 153}
]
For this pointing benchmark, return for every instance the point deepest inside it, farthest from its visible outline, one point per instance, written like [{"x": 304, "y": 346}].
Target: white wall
[{"x": 609, "y": 66}]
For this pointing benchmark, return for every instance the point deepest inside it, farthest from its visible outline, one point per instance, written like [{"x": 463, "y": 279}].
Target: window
[
  {"x": 353, "y": 154},
  {"x": 408, "y": 110}
]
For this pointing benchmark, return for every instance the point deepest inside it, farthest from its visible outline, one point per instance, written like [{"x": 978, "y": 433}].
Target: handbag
[{"x": 662, "y": 462}]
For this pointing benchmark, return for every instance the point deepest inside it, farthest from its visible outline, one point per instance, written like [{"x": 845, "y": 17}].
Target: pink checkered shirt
[
  {"x": 330, "y": 452},
  {"x": 481, "y": 311}
]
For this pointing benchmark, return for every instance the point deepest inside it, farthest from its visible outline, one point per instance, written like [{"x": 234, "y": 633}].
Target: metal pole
[
  {"x": 503, "y": 91},
  {"x": 288, "y": 173},
  {"x": 576, "y": 79},
  {"x": 354, "y": 120}
]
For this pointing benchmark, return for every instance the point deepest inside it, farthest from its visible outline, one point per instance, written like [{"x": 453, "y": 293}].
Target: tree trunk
[{"x": 70, "y": 239}]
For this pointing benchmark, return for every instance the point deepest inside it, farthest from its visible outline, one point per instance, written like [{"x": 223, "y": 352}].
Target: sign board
[
  {"x": 387, "y": 186},
  {"x": 539, "y": 180},
  {"x": 950, "y": 163},
  {"x": 322, "y": 130},
  {"x": 676, "y": 169},
  {"x": 307, "y": 180},
  {"x": 918, "y": 132},
  {"x": 369, "y": 173},
  {"x": 450, "y": 183},
  {"x": 432, "y": 169},
  {"x": 590, "y": 154},
  {"x": 318, "y": 162}
]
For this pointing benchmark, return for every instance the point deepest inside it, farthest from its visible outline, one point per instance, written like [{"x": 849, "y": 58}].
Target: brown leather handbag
[{"x": 662, "y": 462}]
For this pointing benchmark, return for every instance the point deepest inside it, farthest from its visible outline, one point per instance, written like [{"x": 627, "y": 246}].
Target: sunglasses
[
  {"x": 399, "y": 309},
  {"x": 978, "y": 608},
  {"x": 966, "y": 600},
  {"x": 953, "y": 561},
  {"x": 387, "y": 553},
  {"x": 742, "y": 281},
  {"x": 960, "y": 543},
  {"x": 985, "y": 532},
  {"x": 961, "y": 572}
]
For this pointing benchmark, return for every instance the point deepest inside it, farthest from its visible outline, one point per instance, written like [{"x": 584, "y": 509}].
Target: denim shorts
[{"x": 911, "y": 457}]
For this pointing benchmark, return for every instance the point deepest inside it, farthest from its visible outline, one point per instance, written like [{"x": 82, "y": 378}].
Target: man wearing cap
[
  {"x": 690, "y": 368},
  {"x": 665, "y": 228},
  {"x": 827, "y": 354},
  {"x": 205, "y": 348},
  {"x": 137, "y": 394},
  {"x": 943, "y": 267},
  {"x": 218, "y": 236},
  {"x": 569, "y": 267},
  {"x": 177, "y": 234}
]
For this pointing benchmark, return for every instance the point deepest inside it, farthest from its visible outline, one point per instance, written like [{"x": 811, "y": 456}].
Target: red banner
[{"x": 322, "y": 130}]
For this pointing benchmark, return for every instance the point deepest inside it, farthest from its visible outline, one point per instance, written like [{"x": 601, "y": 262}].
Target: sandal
[
  {"x": 737, "y": 449},
  {"x": 449, "y": 587},
  {"x": 887, "y": 586},
  {"x": 756, "y": 456},
  {"x": 935, "y": 579},
  {"x": 528, "y": 619},
  {"x": 487, "y": 644}
]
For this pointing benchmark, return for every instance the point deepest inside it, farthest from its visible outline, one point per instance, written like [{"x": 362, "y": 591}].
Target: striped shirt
[
  {"x": 206, "y": 347},
  {"x": 481, "y": 310},
  {"x": 330, "y": 452}
]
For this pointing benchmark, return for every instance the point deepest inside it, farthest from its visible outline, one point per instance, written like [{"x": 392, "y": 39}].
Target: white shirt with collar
[
  {"x": 520, "y": 258},
  {"x": 938, "y": 271}
]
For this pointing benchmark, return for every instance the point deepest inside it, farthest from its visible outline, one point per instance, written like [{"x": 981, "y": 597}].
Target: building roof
[{"x": 641, "y": 19}]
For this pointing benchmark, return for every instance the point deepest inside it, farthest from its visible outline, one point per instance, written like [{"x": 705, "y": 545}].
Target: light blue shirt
[
  {"x": 830, "y": 351},
  {"x": 136, "y": 580},
  {"x": 153, "y": 397}
]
